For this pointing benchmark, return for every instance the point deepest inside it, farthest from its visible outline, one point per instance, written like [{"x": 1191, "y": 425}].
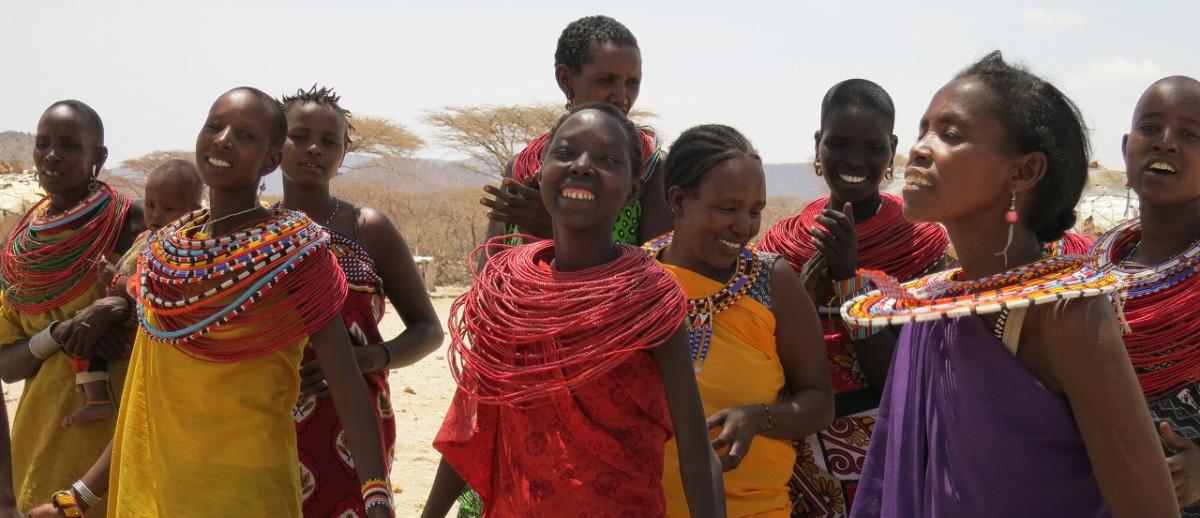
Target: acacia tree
[
  {"x": 383, "y": 137},
  {"x": 491, "y": 135},
  {"x": 147, "y": 162}
]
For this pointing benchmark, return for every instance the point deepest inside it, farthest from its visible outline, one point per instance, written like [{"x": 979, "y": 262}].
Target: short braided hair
[
  {"x": 699, "y": 149},
  {"x": 324, "y": 96}
]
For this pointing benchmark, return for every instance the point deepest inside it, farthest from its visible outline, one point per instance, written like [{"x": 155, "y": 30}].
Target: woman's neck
[
  {"x": 231, "y": 210},
  {"x": 980, "y": 240},
  {"x": 64, "y": 201},
  {"x": 313, "y": 200},
  {"x": 865, "y": 209},
  {"x": 575, "y": 250},
  {"x": 676, "y": 254},
  {"x": 1167, "y": 230}
]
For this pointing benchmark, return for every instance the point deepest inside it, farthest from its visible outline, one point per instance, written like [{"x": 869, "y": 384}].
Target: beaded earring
[{"x": 1011, "y": 217}]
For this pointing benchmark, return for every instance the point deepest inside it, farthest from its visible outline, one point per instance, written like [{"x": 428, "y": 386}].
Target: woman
[
  {"x": 749, "y": 313},
  {"x": 597, "y": 60},
  {"x": 1158, "y": 256},
  {"x": 50, "y": 269},
  {"x": 377, "y": 263},
  {"x": 855, "y": 226},
  {"x": 576, "y": 373},
  {"x": 1010, "y": 393},
  {"x": 227, "y": 300}
]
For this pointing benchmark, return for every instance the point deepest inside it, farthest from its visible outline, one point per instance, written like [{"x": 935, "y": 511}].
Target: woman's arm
[
  {"x": 354, "y": 405},
  {"x": 96, "y": 481},
  {"x": 656, "y": 215},
  {"x": 1086, "y": 358},
  {"x": 698, "y": 464},
  {"x": 405, "y": 290},
  {"x": 447, "y": 485}
]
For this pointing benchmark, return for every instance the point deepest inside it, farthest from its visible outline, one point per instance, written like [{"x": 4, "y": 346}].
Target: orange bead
[{"x": 1010, "y": 217}]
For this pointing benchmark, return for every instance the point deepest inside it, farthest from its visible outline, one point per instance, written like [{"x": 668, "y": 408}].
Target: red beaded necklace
[
  {"x": 524, "y": 331},
  {"x": 1164, "y": 338},
  {"x": 50, "y": 260},
  {"x": 885, "y": 242}
]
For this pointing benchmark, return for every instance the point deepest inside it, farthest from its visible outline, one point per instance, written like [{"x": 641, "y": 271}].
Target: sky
[{"x": 152, "y": 69}]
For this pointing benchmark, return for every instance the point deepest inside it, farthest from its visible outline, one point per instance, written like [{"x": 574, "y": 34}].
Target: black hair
[
  {"x": 858, "y": 92},
  {"x": 324, "y": 96},
  {"x": 1039, "y": 117},
  {"x": 188, "y": 171},
  {"x": 700, "y": 149},
  {"x": 275, "y": 111},
  {"x": 90, "y": 117},
  {"x": 575, "y": 43},
  {"x": 630, "y": 129}
]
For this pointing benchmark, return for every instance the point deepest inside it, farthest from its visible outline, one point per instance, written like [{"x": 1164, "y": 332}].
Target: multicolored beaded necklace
[
  {"x": 278, "y": 275},
  {"x": 943, "y": 295},
  {"x": 702, "y": 311},
  {"x": 50, "y": 260},
  {"x": 1164, "y": 337}
]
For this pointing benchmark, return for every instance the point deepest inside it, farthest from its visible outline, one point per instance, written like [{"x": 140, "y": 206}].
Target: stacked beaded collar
[
  {"x": 268, "y": 286},
  {"x": 943, "y": 295},
  {"x": 1164, "y": 338},
  {"x": 702, "y": 311},
  {"x": 50, "y": 260}
]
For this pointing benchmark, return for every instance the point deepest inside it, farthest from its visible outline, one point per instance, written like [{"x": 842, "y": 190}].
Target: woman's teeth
[
  {"x": 729, "y": 244},
  {"x": 852, "y": 179},
  {"x": 917, "y": 181},
  {"x": 217, "y": 162},
  {"x": 52, "y": 173},
  {"x": 577, "y": 194},
  {"x": 1161, "y": 168}
]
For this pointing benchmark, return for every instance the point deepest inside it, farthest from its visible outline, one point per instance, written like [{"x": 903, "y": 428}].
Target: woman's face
[
  {"x": 722, "y": 214},
  {"x": 587, "y": 176},
  {"x": 1162, "y": 152},
  {"x": 233, "y": 148},
  {"x": 854, "y": 152},
  {"x": 67, "y": 152},
  {"x": 613, "y": 74},
  {"x": 315, "y": 144},
  {"x": 962, "y": 165}
]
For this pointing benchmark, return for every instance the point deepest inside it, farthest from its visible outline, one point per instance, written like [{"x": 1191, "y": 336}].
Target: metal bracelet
[
  {"x": 42, "y": 345},
  {"x": 85, "y": 494}
]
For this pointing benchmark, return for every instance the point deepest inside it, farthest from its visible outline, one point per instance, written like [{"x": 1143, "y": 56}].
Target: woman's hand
[
  {"x": 739, "y": 426},
  {"x": 1184, "y": 465},
  {"x": 41, "y": 511},
  {"x": 815, "y": 277},
  {"x": 519, "y": 205},
  {"x": 838, "y": 243},
  {"x": 370, "y": 358},
  {"x": 85, "y": 329}
]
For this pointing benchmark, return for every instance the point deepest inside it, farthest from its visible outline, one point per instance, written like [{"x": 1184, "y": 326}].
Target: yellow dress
[
  {"x": 47, "y": 457},
  {"x": 203, "y": 439},
  {"x": 742, "y": 368}
]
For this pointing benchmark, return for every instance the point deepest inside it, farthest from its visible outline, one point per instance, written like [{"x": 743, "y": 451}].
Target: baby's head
[{"x": 172, "y": 190}]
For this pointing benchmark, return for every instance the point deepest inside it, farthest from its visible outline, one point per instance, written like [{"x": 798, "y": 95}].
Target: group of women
[{"x": 838, "y": 367}]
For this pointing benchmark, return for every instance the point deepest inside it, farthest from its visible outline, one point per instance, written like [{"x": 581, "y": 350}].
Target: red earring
[{"x": 1011, "y": 216}]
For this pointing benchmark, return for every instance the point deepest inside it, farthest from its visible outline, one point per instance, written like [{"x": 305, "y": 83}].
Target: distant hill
[{"x": 16, "y": 146}]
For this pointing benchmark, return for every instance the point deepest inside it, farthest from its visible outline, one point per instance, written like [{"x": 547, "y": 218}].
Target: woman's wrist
[{"x": 766, "y": 421}]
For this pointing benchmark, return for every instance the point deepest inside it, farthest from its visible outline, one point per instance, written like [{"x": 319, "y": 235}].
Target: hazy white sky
[{"x": 153, "y": 68}]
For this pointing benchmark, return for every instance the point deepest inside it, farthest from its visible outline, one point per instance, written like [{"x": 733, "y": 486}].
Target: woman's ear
[
  {"x": 562, "y": 75},
  {"x": 1029, "y": 170},
  {"x": 675, "y": 197}
]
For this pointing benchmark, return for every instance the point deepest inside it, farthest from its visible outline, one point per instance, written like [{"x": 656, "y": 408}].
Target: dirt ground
[{"x": 420, "y": 394}]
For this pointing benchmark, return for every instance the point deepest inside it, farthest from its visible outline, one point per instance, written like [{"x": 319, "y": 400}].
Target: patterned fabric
[
  {"x": 598, "y": 450},
  {"x": 829, "y": 465},
  {"x": 329, "y": 482},
  {"x": 761, "y": 289},
  {"x": 1182, "y": 410}
]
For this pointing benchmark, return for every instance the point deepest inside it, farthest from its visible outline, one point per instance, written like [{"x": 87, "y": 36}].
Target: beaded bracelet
[
  {"x": 65, "y": 502},
  {"x": 375, "y": 492},
  {"x": 379, "y": 500},
  {"x": 42, "y": 345},
  {"x": 770, "y": 420},
  {"x": 847, "y": 289},
  {"x": 82, "y": 490}
]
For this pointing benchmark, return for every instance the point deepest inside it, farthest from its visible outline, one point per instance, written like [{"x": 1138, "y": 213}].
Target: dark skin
[
  {"x": 725, "y": 208},
  {"x": 613, "y": 74},
  {"x": 965, "y": 171},
  {"x": 589, "y": 155},
  {"x": 854, "y": 153},
  {"x": 1162, "y": 163},
  {"x": 312, "y": 154},
  {"x": 68, "y": 153},
  {"x": 233, "y": 153}
]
